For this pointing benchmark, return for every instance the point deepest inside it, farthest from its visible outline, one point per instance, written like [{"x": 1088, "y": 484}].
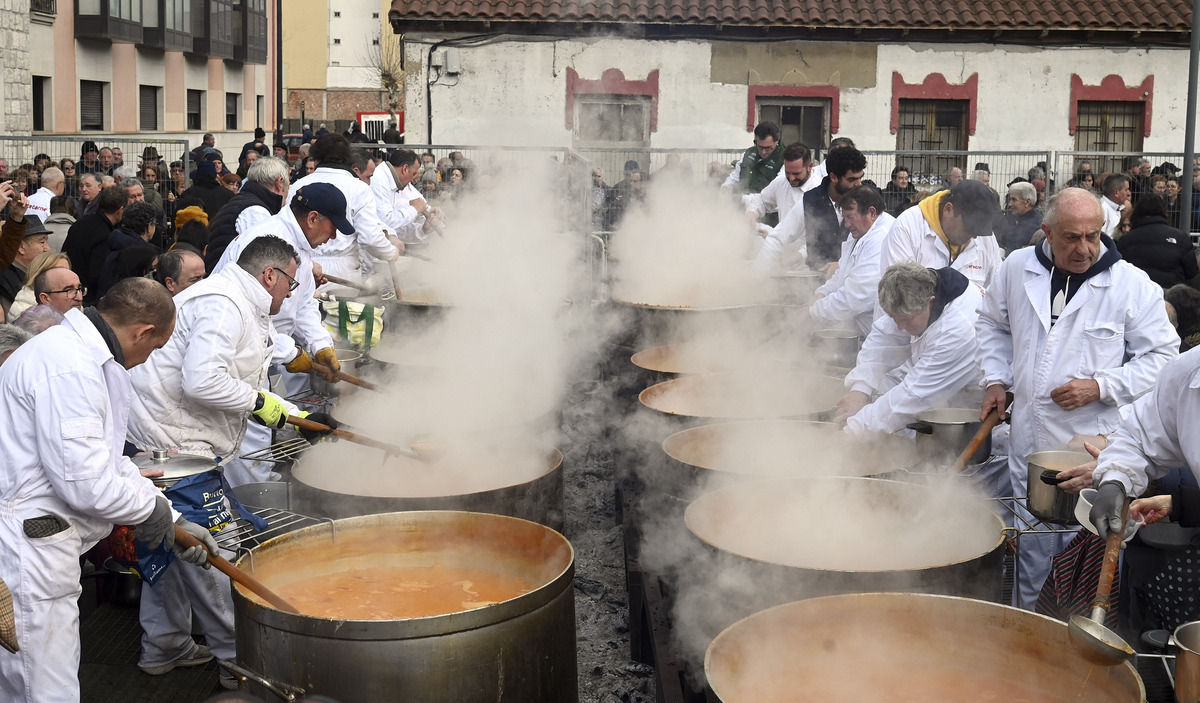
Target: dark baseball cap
[
  {"x": 976, "y": 204},
  {"x": 33, "y": 225},
  {"x": 326, "y": 199},
  {"x": 89, "y": 145}
]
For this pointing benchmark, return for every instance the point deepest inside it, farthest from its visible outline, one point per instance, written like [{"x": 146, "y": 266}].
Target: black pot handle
[
  {"x": 920, "y": 427},
  {"x": 1050, "y": 478}
]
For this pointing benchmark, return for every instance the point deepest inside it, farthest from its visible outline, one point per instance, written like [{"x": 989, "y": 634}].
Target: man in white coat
[
  {"x": 348, "y": 257},
  {"x": 937, "y": 309},
  {"x": 847, "y": 301},
  {"x": 1075, "y": 333},
  {"x": 785, "y": 192},
  {"x": 194, "y": 397},
  {"x": 64, "y": 401},
  {"x": 316, "y": 213},
  {"x": 402, "y": 208}
]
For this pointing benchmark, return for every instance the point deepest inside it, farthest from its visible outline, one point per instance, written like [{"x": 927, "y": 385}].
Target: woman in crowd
[
  {"x": 62, "y": 216},
  {"x": 1173, "y": 203},
  {"x": 71, "y": 190},
  {"x": 42, "y": 262},
  {"x": 1163, "y": 252},
  {"x": 231, "y": 181}
]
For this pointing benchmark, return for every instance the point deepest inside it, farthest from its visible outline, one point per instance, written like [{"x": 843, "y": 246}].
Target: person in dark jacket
[
  {"x": 824, "y": 231},
  {"x": 130, "y": 253},
  {"x": 1016, "y": 226},
  {"x": 87, "y": 240},
  {"x": 391, "y": 135},
  {"x": 258, "y": 144},
  {"x": 760, "y": 164},
  {"x": 260, "y": 198},
  {"x": 208, "y": 189},
  {"x": 898, "y": 193},
  {"x": 1154, "y": 246},
  {"x": 307, "y": 135}
]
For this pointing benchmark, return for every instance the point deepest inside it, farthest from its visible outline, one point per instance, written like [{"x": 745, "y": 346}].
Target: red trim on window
[
  {"x": 1112, "y": 89},
  {"x": 829, "y": 92},
  {"x": 935, "y": 87},
  {"x": 612, "y": 82}
]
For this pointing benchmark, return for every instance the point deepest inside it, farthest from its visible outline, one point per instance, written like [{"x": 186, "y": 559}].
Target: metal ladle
[{"x": 1092, "y": 640}]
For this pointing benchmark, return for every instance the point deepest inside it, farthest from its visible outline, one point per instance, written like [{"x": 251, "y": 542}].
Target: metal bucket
[
  {"x": 348, "y": 358},
  {"x": 906, "y": 647},
  {"x": 364, "y": 488},
  {"x": 837, "y": 347},
  {"x": 943, "y": 434},
  {"x": 1045, "y": 500},
  {"x": 797, "y": 287},
  {"x": 516, "y": 650},
  {"x": 1187, "y": 663}
]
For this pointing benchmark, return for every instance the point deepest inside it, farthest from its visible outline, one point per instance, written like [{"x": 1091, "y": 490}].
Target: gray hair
[
  {"x": 125, "y": 173},
  {"x": 1055, "y": 203},
  {"x": 267, "y": 171},
  {"x": 1036, "y": 174},
  {"x": 38, "y": 319},
  {"x": 95, "y": 177},
  {"x": 266, "y": 251},
  {"x": 11, "y": 337},
  {"x": 906, "y": 288},
  {"x": 1024, "y": 191},
  {"x": 52, "y": 175}
]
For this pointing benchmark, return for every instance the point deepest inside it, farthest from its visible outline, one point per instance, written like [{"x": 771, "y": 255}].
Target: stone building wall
[{"x": 15, "y": 78}]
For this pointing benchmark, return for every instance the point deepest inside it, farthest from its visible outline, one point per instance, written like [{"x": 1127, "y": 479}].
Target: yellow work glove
[
  {"x": 269, "y": 410},
  {"x": 303, "y": 363},
  {"x": 328, "y": 357}
]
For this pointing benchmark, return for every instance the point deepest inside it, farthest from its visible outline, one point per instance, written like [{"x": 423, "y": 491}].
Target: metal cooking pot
[
  {"x": 838, "y": 347},
  {"x": 518, "y": 650},
  {"x": 744, "y": 395},
  {"x": 1187, "y": 663},
  {"x": 1045, "y": 500},
  {"x": 649, "y": 324},
  {"x": 798, "y": 286},
  {"x": 907, "y": 648},
  {"x": 175, "y": 467},
  {"x": 321, "y": 490},
  {"x": 943, "y": 434},
  {"x": 417, "y": 307}
]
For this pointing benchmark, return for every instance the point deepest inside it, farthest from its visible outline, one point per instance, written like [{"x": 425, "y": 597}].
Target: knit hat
[
  {"x": 206, "y": 168},
  {"x": 188, "y": 214}
]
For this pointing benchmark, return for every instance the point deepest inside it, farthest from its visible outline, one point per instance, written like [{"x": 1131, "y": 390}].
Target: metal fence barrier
[{"x": 24, "y": 152}]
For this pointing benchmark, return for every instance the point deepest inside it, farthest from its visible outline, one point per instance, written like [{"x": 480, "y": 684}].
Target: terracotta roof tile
[{"x": 1151, "y": 15}]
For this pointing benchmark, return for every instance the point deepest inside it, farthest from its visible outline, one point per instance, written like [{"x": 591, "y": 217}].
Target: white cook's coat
[
  {"x": 195, "y": 394},
  {"x": 39, "y": 203},
  {"x": 1114, "y": 329},
  {"x": 398, "y": 216},
  {"x": 64, "y": 402},
  {"x": 779, "y": 196},
  {"x": 251, "y": 217},
  {"x": 932, "y": 369},
  {"x": 299, "y": 319},
  {"x": 913, "y": 239},
  {"x": 349, "y": 256},
  {"x": 791, "y": 235},
  {"x": 1159, "y": 431},
  {"x": 1112, "y": 215},
  {"x": 849, "y": 297}
]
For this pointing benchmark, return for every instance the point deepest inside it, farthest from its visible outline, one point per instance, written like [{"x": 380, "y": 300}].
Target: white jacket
[
  {"x": 912, "y": 238},
  {"x": 779, "y": 196},
  {"x": 299, "y": 320},
  {"x": 194, "y": 394},
  {"x": 1114, "y": 330},
  {"x": 360, "y": 210},
  {"x": 64, "y": 405},
  {"x": 849, "y": 297},
  {"x": 398, "y": 216},
  {"x": 924, "y": 375},
  {"x": 1158, "y": 431},
  {"x": 39, "y": 203}
]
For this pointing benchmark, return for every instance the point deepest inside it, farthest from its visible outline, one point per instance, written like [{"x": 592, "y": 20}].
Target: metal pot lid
[
  {"x": 174, "y": 466},
  {"x": 950, "y": 416}
]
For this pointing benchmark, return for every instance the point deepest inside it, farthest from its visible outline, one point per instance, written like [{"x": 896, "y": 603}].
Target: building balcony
[{"x": 109, "y": 20}]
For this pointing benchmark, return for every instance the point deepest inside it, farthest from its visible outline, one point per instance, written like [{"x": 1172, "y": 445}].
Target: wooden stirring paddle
[{"x": 223, "y": 565}]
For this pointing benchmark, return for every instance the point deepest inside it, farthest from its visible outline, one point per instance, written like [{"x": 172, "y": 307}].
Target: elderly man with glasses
[{"x": 60, "y": 289}]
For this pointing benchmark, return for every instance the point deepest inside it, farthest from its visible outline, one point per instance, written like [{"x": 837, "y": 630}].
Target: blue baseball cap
[{"x": 328, "y": 200}]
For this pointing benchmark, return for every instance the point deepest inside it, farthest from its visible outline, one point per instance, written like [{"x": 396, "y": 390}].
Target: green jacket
[{"x": 756, "y": 173}]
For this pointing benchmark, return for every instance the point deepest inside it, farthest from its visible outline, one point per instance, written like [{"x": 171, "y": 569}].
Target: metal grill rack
[
  {"x": 282, "y": 452},
  {"x": 240, "y": 537}
]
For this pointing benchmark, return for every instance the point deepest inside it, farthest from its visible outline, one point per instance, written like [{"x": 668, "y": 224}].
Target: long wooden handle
[
  {"x": 985, "y": 429},
  {"x": 1112, "y": 553},
  {"x": 348, "y": 436},
  {"x": 223, "y": 565},
  {"x": 344, "y": 282},
  {"x": 324, "y": 370}
]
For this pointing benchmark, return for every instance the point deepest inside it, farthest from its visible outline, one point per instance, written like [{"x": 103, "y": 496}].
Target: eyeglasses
[
  {"x": 293, "y": 285},
  {"x": 68, "y": 168},
  {"x": 70, "y": 291}
]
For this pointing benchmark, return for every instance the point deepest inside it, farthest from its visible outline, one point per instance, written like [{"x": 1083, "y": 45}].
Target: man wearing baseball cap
[
  {"x": 12, "y": 279},
  {"x": 316, "y": 215}
]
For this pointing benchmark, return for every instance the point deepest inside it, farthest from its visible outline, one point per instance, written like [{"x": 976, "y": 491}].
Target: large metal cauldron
[
  {"x": 730, "y": 452},
  {"x": 530, "y": 487},
  {"x": 825, "y": 535},
  {"x": 519, "y": 650},
  {"x": 944, "y": 433},
  {"x": 649, "y": 324},
  {"x": 744, "y": 396},
  {"x": 907, "y": 648},
  {"x": 415, "y": 308}
]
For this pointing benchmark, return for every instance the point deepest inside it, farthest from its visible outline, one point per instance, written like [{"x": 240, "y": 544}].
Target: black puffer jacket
[
  {"x": 223, "y": 228},
  {"x": 210, "y": 192},
  {"x": 1163, "y": 252}
]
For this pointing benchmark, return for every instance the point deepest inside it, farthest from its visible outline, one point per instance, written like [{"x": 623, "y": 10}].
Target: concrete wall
[{"x": 514, "y": 93}]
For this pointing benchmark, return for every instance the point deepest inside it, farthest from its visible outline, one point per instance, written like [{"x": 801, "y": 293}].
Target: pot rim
[
  {"x": 703, "y": 377},
  {"x": 927, "y": 597},
  {"x": 928, "y": 417},
  {"x": 1000, "y": 538},
  {"x": 405, "y": 628},
  {"x": 686, "y": 308}
]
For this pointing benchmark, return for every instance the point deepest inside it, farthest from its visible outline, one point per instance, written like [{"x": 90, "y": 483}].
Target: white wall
[
  {"x": 514, "y": 93},
  {"x": 349, "y": 63}
]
